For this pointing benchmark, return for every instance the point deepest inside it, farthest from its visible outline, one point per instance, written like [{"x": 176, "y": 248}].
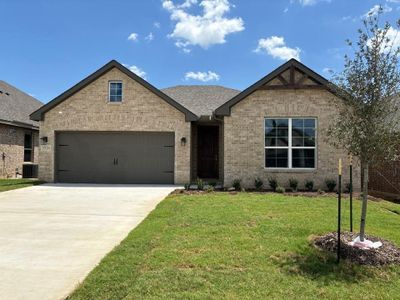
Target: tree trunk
[{"x": 364, "y": 171}]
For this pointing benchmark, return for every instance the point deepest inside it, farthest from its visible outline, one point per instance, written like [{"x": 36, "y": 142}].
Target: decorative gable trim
[
  {"x": 39, "y": 114},
  {"x": 291, "y": 75}
]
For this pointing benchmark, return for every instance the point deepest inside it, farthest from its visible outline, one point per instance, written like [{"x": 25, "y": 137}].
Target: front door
[{"x": 207, "y": 151}]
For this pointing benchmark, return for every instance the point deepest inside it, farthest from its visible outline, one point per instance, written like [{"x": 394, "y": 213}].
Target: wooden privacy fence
[{"x": 385, "y": 180}]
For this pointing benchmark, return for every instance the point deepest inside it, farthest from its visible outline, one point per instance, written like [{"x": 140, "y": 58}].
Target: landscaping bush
[
  {"x": 200, "y": 184},
  {"x": 293, "y": 183},
  {"x": 280, "y": 189},
  {"x": 347, "y": 187},
  {"x": 273, "y": 183},
  {"x": 209, "y": 189},
  {"x": 309, "y": 185},
  {"x": 258, "y": 184},
  {"x": 237, "y": 184},
  {"x": 187, "y": 186},
  {"x": 330, "y": 184},
  {"x": 321, "y": 191}
]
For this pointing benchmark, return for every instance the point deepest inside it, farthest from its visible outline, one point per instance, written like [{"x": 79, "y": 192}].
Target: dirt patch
[{"x": 388, "y": 253}]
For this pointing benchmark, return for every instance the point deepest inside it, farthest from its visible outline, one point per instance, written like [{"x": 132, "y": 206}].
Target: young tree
[{"x": 369, "y": 123}]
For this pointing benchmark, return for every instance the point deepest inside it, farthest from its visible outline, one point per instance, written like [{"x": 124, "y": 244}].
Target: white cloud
[
  {"x": 375, "y": 10},
  {"x": 328, "y": 71},
  {"x": 286, "y": 10},
  {"x": 204, "y": 30},
  {"x": 394, "y": 40},
  {"x": 393, "y": 1},
  {"x": 276, "y": 47},
  {"x": 394, "y": 37},
  {"x": 135, "y": 69},
  {"x": 202, "y": 76},
  {"x": 156, "y": 25},
  {"x": 149, "y": 37},
  {"x": 309, "y": 2},
  {"x": 133, "y": 37}
]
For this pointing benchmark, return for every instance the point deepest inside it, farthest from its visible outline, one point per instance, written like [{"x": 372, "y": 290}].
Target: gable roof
[
  {"x": 317, "y": 82},
  {"x": 201, "y": 99},
  {"x": 16, "y": 106},
  {"x": 38, "y": 114}
]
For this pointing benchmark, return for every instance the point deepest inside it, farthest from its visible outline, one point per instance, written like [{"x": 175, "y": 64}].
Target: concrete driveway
[{"x": 52, "y": 236}]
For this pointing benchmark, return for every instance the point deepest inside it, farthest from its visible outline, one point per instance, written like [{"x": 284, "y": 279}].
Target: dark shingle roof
[
  {"x": 16, "y": 106},
  {"x": 200, "y": 99}
]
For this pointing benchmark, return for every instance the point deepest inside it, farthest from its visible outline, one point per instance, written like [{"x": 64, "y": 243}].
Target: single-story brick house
[
  {"x": 18, "y": 134},
  {"x": 115, "y": 127}
]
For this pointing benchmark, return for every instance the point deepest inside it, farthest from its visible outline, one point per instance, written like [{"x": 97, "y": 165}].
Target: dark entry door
[
  {"x": 115, "y": 157},
  {"x": 207, "y": 151}
]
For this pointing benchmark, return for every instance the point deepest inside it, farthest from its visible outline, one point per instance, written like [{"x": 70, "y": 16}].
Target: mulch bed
[
  {"x": 345, "y": 196},
  {"x": 388, "y": 253}
]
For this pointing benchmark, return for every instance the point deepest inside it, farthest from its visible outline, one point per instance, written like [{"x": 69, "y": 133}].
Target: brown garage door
[{"x": 115, "y": 157}]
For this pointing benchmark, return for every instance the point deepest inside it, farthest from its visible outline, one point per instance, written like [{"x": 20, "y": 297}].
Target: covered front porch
[{"x": 207, "y": 151}]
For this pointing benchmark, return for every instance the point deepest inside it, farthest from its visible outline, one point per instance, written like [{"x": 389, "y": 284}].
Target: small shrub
[
  {"x": 237, "y": 184},
  {"x": 209, "y": 189},
  {"x": 213, "y": 183},
  {"x": 293, "y": 183},
  {"x": 309, "y": 185},
  {"x": 280, "y": 189},
  {"x": 258, "y": 184},
  {"x": 273, "y": 183},
  {"x": 187, "y": 186},
  {"x": 200, "y": 184},
  {"x": 321, "y": 191},
  {"x": 330, "y": 184}
]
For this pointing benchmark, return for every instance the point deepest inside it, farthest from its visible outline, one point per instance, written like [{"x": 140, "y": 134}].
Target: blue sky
[{"x": 48, "y": 46}]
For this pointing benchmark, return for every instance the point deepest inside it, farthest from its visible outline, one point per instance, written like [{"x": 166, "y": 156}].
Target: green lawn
[
  {"x": 244, "y": 246},
  {"x": 12, "y": 184}
]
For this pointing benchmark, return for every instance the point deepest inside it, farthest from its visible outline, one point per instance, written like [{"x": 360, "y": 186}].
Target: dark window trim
[{"x": 31, "y": 148}]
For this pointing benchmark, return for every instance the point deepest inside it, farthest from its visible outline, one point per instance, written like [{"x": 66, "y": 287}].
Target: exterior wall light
[
  {"x": 183, "y": 141},
  {"x": 44, "y": 140}
]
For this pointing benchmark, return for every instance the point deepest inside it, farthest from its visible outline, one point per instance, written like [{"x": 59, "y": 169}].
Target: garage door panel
[{"x": 140, "y": 157}]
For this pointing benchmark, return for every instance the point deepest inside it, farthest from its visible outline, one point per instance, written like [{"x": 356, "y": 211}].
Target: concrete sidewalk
[{"x": 53, "y": 235}]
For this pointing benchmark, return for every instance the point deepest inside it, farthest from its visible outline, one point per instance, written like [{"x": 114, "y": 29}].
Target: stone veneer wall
[
  {"x": 140, "y": 110},
  {"x": 12, "y": 145},
  {"x": 244, "y": 137}
]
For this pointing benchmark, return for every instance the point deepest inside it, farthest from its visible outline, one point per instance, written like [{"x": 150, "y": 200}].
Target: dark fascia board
[
  {"x": 19, "y": 124},
  {"x": 225, "y": 109},
  {"x": 39, "y": 114}
]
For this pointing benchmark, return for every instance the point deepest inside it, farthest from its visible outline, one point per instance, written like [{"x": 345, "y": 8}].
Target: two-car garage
[{"x": 115, "y": 157}]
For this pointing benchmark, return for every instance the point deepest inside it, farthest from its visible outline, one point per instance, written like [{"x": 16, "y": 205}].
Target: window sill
[
  {"x": 284, "y": 170},
  {"x": 114, "y": 103}
]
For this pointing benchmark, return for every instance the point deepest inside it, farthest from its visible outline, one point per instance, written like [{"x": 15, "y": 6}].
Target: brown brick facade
[
  {"x": 244, "y": 137},
  {"x": 12, "y": 145},
  {"x": 140, "y": 110}
]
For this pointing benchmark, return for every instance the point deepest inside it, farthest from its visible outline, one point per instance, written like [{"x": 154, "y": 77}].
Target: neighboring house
[
  {"x": 114, "y": 127},
  {"x": 18, "y": 134}
]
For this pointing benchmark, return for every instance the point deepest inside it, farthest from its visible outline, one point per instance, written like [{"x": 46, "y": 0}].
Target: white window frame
[
  {"x": 290, "y": 147},
  {"x": 109, "y": 90}
]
